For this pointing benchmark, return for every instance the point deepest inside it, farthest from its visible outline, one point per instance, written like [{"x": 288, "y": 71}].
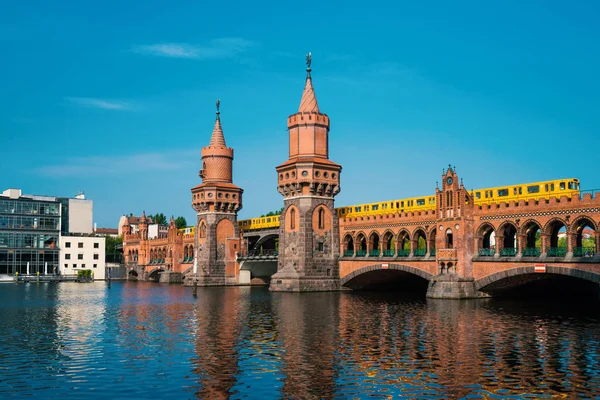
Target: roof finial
[
  {"x": 308, "y": 62},
  {"x": 218, "y": 107}
]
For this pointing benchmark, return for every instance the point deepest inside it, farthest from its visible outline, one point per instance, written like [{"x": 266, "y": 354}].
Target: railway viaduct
[{"x": 456, "y": 249}]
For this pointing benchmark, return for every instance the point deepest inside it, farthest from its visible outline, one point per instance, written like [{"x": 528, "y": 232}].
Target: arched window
[
  {"x": 449, "y": 239},
  {"x": 202, "y": 230},
  {"x": 293, "y": 219},
  {"x": 321, "y": 218},
  {"x": 449, "y": 198}
]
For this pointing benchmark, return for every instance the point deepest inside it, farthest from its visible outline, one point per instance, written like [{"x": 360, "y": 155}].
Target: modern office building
[
  {"x": 37, "y": 232},
  {"x": 29, "y": 233}
]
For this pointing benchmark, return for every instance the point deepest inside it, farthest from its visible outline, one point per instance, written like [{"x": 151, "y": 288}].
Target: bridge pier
[{"x": 452, "y": 287}]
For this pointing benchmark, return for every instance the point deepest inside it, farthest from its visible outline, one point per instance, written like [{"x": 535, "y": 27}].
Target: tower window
[
  {"x": 293, "y": 219},
  {"x": 449, "y": 239},
  {"x": 321, "y": 218}
]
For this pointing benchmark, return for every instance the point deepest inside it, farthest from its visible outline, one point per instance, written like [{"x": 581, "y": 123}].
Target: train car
[
  {"x": 190, "y": 230},
  {"x": 259, "y": 223},
  {"x": 412, "y": 204},
  {"x": 527, "y": 191}
]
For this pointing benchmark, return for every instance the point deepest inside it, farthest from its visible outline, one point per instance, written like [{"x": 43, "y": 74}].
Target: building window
[
  {"x": 96, "y": 245},
  {"x": 321, "y": 218},
  {"x": 95, "y": 256},
  {"x": 66, "y": 265},
  {"x": 95, "y": 265},
  {"x": 82, "y": 265},
  {"x": 68, "y": 245},
  {"x": 320, "y": 246},
  {"x": 74, "y": 265},
  {"x": 67, "y": 256},
  {"x": 80, "y": 256},
  {"x": 80, "y": 245},
  {"x": 293, "y": 219}
]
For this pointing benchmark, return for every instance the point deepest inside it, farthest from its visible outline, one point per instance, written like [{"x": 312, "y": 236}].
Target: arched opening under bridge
[
  {"x": 585, "y": 244},
  {"x": 393, "y": 278},
  {"x": 557, "y": 283}
]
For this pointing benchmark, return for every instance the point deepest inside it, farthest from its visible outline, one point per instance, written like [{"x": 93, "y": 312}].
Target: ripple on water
[{"x": 148, "y": 340}]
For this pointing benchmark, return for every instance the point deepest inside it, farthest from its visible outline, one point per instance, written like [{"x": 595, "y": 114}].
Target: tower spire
[
  {"x": 217, "y": 139},
  {"x": 309, "y": 100}
]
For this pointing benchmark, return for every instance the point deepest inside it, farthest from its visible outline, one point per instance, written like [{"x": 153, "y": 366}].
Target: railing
[
  {"x": 361, "y": 253},
  {"x": 593, "y": 192},
  {"x": 348, "y": 253},
  {"x": 508, "y": 252},
  {"x": 531, "y": 252},
  {"x": 403, "y": 253},
  {"x": 432, "y": 253},
  {"x": 263, "y": 252},
  {"x": 487, "y": 252},
  {"x": 584, "y": 251},
  {"x": 420, "y": 252},
  {"x": 556, "y": 252},
  {"x": 373, "y": 253},
  {"x": 389, "y": 253}
]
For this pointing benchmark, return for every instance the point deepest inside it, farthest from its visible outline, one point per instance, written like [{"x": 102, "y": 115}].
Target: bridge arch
[
  {"x": 404, "y": 242},
  {"x": 153, "y": 275},
  {"x": 553, "y": 229},
  {"x": 348, "y": 244},
  {"x": 486, "y": 239},
  {"x": 373, "y": 243},
  {"x": 388, "y": 241},
  {"x": 378, "y": 277},
  {"x": 529, "y": 231},
  {"x": 361, "y": 243},
  {"x": 585, "y": 236},
  {"x": 512, "y": 278}
]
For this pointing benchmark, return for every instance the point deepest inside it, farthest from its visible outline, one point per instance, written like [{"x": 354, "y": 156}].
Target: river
[{"x": 147, "y": 340}]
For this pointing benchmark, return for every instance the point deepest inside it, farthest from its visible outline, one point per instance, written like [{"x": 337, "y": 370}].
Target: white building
[
  {"x": 83, "y": 252},
  {"x": 156, "y": 231}
]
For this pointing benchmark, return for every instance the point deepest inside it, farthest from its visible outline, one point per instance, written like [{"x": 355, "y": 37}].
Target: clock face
[{"x": 449, "y": 181}]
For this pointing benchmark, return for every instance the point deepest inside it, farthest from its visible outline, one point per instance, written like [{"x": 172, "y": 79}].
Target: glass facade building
[{"x": 29, "y": 234}]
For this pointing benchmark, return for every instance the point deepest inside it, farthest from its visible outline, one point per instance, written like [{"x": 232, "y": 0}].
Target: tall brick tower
[
  {"x": 309, "y": 227},
  {"x": 216, "y": 201},
  {"x": 454, "y": 240}
]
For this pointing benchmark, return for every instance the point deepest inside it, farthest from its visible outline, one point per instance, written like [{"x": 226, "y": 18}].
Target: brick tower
[
  {"x": 454, "y": 240},
  {"x": 309, "y": 227},
  {"x": 216, "y": 201}
]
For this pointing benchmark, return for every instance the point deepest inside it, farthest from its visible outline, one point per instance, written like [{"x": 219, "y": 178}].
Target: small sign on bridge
[
  {"x": 385, "y": 266},
  {"x": 539, "y": 268}
]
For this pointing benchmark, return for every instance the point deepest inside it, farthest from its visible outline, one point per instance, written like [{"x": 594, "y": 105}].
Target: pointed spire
[
  {"x": 217, "y": 139},
  {"x": 309, "y": 100}
]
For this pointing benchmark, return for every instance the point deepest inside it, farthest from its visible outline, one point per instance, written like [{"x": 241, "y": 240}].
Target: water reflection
[{"x": 147, "y": 340}]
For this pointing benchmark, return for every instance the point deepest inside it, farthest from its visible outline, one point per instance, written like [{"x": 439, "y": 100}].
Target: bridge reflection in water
[{"x": 149, "y": 341}]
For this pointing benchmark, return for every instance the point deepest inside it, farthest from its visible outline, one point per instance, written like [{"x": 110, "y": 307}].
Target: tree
[
  {"x": 273, "y": 213},
  {"x": 180, "y": 222},
  {"x": 159, "y": 218}
]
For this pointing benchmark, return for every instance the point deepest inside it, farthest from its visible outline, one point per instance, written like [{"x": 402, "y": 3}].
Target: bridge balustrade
[
  {"x": 361, "y": 253},
  {"x": 531, "y": 252},
  {"x": 403, "y": 253},
  {"x": 432, "y": 253},
  {"x": 556, "y": 252},
  {"x": 373, "y": 253},
  {"x": 487, "y": 252},
  {"x": 388, "y": 253},
  {"x": 348, "y": 253},
  {"x": 584, "y": 251},
  {"x": 508, "y": 252},
  {"x": 420, "y": 252}
]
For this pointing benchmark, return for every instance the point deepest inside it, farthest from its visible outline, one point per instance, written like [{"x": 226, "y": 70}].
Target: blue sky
[{"x": 117, "y": 98}]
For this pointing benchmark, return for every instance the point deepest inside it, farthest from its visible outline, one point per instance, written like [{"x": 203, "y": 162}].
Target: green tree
[
  {"x": 180, "y": 222},
  {"x": 273, "y": 213},
  {"x": 111, "y": 244},
  {"x": 159, "y": 218}
]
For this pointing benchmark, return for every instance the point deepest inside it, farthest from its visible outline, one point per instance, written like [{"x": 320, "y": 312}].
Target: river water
[{"x": 146, "y": 340}]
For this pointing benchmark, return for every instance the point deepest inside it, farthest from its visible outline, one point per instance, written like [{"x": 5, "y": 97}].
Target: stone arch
[
  {"x": 361, "y": 244},
  {"x": 419, "y": 246},
  {"x": 507, "y": 231},
  {"x": 553, "y": 230},
  {"x": 378, "y": 267},
  {"x": 388, "y": 242},
  {"x": 292, "y": 219},
  {"x": 266, "y": 242},
  {"x": 373, "y": 243},
  {"x": 585, "y": 244},
  {"x": 153, "y": 275},
  {"x": 486, "y": 239},
  {"x": 485, "y": 282},
  {"x": 403, "y": 243},
  {"x": 225, "y": 230},
  {"x": 529, "y": 232},
  {"x": 348, "y": 245},
  {"x": 431, "y": 239}
]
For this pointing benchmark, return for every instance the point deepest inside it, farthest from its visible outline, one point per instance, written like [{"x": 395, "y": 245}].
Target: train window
[
  {"x": 533, "y": 189},
  {"x": 573, "y": 185},
  {"x": 268, "y": 219},
  {"x": 520, "y": 190},
  {"x": 420, "y": 202},
  {"x": 546, "y": 187},
  {"x": 357, "y": 209},
  {"x": 552, "y": 187},
  {"x": 397, "y": 206},
  {"x": 432, "y": 200},
  {"x": 401, "y": 204},
  {"x": 366, "y": 208},
  {"x": 478, "y": 195},
  {"x": 562, "y": 186},
  {"x": 486, "y": 194},
  {"x": 502, "y": 192},
  {"x": 375, "y": 208},
  {"x": 515, "y": 191}
]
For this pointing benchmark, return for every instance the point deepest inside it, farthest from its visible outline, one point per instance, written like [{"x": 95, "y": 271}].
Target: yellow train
[
  {"x": 527, "y": 191},
  {"x": 190, "y": 230}
]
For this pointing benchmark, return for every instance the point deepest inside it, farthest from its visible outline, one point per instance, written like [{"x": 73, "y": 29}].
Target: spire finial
[
  {"x": 218, "y": 107},
  {"x": 308, "y": 62}
]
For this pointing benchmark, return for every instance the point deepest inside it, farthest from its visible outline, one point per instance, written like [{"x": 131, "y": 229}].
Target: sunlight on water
[{"x": 141, "y": 340}]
